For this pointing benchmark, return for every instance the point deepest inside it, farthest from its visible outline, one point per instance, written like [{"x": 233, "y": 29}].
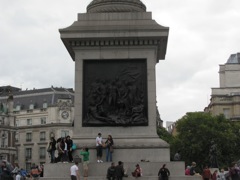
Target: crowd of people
[
  {"x": 231, "y": 173},
  {"x": 64, "y": 147},
  {"x": 14, "y": 172}
]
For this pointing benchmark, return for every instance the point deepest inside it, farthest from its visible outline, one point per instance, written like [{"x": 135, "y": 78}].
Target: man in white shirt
[
  {"x": 99, "y": 147},
  {"x": 18, "y": 176},
  {"x": 75, "y": 175}
]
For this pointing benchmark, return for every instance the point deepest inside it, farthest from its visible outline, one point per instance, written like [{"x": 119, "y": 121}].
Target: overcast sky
[{"x": 203, "y": 34}]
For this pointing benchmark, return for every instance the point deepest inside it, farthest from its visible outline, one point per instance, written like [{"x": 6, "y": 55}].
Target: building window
[
  {"x": 28, "y": 154},
  {"x": 4, "y": 139},
  {"x": 43, "y": 120},
  {"x": 31, "y": 106},
  {"x": 18, "y": 108},
  {"x": 17, "y": 123},
  {"x": 2, "y": 120},
  {"x": 29, "y": 122},
  {"x": 42, "y": 136},
  {"x": 29, "y": 137},
  {"x": 226, "y": 112},
  {"x": 28, "y": 166},
  {"x": 16, "y": 136},
  {"x": 45, "y": 105},
  {"x": 64, "y": 133},
  {"x": 42, "y": 153}
]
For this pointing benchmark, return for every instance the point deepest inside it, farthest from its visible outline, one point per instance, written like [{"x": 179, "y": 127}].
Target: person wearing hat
[{"x": 99, "y": 146}]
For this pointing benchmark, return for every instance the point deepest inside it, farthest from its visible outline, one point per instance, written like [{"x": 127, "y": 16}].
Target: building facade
[
  {"x": 226, "y": 99},
  {"x": 7, "y": 130},
  {"x": 39, "y": 115}
]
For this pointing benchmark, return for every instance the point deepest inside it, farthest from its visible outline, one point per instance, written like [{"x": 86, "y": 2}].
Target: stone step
[
  {"x": 126, "y": 178},
  {"x": 176, "y": 168}
]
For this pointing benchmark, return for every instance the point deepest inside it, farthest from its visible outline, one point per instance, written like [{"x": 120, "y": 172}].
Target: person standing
[
  {"x": 18, "y": 176},
  {"x": 119, "y": 171},
  {"x": 111, "y": 172},
  {"x": 5, "y": 171},
  {"x": 206, "y": 173},
  {"x": 85, "y": 155},
  {"x": 52, "y": 144},
  {"x": 99, "y": 147},
  {"x": 109, "y": 147},
  {"x": 221, "y": 175},
  {"x": 214, "y": 175},
  {"x": 69, "y": 148},
  {"x": 35, "y": 172},
  {"x": 60, "y": 148},
  {"x": 65, "y": 151},
  {"x": 74, "y": 172},
  {"x": 42, "y": 170},
  {"x": 163, "y": 173},
  {"x": 233, "y": 171}
]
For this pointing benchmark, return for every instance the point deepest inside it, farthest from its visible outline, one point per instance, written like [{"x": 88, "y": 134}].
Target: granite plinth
[{"x": 99, "y": 170}]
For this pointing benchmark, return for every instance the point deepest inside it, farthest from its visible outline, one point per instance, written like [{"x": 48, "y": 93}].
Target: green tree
[
  {"x": 196, "y": 130},
  {"x": 165, "y": 135}
]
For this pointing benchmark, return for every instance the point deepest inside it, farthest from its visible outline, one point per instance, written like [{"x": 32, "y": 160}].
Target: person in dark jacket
[
  {"x": 52, "y": 146},
  {"x": 111, "y": 172},
  {"x": 69, "y": 148},
  {"x": 163, "y": 173},
  {"x": 119, "y": 171}
]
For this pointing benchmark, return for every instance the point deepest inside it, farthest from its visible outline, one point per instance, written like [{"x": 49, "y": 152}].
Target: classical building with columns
[
  {"x": 37, "y": 115},
  {"x": 226, "y": 99}
]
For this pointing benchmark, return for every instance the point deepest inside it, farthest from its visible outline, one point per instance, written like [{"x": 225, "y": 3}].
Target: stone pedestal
[
  {"x": 123, "y": 31},
  {"x": 98, "y": 171}
]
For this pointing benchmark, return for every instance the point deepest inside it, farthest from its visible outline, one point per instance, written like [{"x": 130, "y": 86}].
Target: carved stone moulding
[
  {"x": 136, "y": 42},
  {"x": 105, "y": 6}
]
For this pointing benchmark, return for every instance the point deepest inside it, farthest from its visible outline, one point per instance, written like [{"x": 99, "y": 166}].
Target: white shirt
[
  {"x": 73, "y": 170},
  {"x": 18, "y": 177},
  {"x": 65, "y": 146},
  {"x": 98, "y": 141}
]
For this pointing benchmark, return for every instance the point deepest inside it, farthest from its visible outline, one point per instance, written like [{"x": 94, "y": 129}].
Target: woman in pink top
[{"x": 187, "y": 171}]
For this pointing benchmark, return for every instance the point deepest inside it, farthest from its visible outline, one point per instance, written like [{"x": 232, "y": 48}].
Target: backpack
[
  {"x": 163, "y": 172},
  {"x": 192, "y": 171}
]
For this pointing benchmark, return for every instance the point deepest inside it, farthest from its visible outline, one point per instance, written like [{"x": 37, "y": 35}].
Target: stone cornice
[
  {"x": 117, "y": 42},
  {"x": 159, "y": 43},
  {"x": 45, "y": 126}
]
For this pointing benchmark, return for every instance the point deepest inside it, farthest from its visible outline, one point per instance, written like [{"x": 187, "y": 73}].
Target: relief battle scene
[{"x": 115, "y": 93}]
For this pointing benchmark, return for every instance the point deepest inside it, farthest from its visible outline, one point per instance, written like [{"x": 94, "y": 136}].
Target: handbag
[{"x": 111, "y": 149}]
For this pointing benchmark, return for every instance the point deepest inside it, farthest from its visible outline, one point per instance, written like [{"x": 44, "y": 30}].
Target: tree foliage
[
  {"x": 165, "y": 135},
  {"x": 196, "y": 131}
]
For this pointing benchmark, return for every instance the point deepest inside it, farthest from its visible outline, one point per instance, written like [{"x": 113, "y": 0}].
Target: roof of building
[
  {"x": 106, "y": 6},
  {"x": 234, "y": 59},
  {"x": 36, "y": 97}
]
